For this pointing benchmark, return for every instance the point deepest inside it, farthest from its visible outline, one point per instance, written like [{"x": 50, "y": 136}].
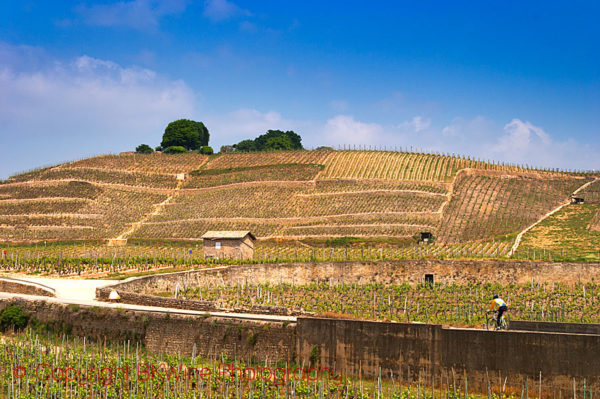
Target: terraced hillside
[
  {"x": 92, "y": 199},
  {"x": 281, "y": 195}
]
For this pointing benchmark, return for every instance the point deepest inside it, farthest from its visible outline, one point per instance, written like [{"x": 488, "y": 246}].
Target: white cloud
[
  {"x": 519, "y": 142},
  {"x": 520, "y": 136},
  {"x": 525, "y": 143},
  {"x": 136, "y": 14},
  {"x": 86, "y": 106},
  {"x": 219, "y": 10},
  {"x": 417, "y": 124},
  {"x": 344, "y": 129}
]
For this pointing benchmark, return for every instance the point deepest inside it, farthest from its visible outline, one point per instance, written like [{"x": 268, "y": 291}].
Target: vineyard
[
  {"x": 595, "y": 223},
  {"x": 591, "y": 194},
  {"x": 245, "y": 160},
  {"x": 146, "y": 163},
  {"x": 386, "y": 165},
  {"x": 460, "y": 305},
  {"x": 568, "y": 234},
  {"x": 282, "y": 172},
  {"x": 469, "y": 206},
  {"x": 484, "y": 207},
  {"x": 99, "y": 260},
  {"x": 49, "y": 365}
]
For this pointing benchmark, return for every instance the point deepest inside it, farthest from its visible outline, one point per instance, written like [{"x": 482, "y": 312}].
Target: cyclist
[{"x": 500, "y": 307}]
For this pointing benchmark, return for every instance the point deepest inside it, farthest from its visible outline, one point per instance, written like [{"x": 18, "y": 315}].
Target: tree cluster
[
  {"x": 185, "y": 133},
  {"x": 272, "y": 140},
  {"x": 181, "y": 136}
]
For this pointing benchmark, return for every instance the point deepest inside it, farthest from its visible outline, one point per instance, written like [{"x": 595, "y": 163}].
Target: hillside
[{"x": 309, "y": 195}]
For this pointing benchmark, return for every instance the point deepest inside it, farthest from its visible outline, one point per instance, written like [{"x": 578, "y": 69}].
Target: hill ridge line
[{"x": 98, "y": 183}]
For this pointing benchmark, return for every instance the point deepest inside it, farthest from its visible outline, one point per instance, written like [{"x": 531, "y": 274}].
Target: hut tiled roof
[{"x": 236, "y": 234}]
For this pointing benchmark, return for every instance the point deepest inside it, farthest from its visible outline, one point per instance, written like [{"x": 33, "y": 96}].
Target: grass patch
[{"x": 565, "y": 236}]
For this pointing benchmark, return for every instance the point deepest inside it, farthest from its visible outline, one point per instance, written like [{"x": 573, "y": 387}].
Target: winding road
[{"x": 83, "y": 292}]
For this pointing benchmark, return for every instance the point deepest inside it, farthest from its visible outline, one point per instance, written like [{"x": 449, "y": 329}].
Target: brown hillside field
[{"x": 291, "y": 195}]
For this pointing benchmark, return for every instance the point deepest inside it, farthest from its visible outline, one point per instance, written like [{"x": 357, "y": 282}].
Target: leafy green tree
[
  {"x": 206, "y": 150},
  {"x": 175, "y": 149},
  {"x": 13, "y": 316},
  {"x": 226, "y": 148},
  {"x": 294, "y": 139},
  {"x": 185, "y": 133},
  {"x": 278, "y": 143},
  {"x": 246, "y": 146},
  {"x": 144, "y": 149},
  {"x": 272, "y": 140}
]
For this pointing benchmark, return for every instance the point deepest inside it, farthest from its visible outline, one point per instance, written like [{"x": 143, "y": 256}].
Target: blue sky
[{"x": 508, "y": 81}]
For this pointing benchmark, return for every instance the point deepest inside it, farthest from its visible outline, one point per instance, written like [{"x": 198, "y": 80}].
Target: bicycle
[{"x": 491, "y": 322}]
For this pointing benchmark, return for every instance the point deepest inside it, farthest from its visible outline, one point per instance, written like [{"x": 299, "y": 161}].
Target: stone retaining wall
[
  {"x": 178, "y": 303},
  {"x": 24, "y": 287},
  {"x": 142, "y": 290},
  {"x": 386, "y": 272},
  {"x": 545, "y": 326},
  {"x": 412, "y": 351},
  {"x": 163, "y": 332},
  {"x": 407, "y": 351}
]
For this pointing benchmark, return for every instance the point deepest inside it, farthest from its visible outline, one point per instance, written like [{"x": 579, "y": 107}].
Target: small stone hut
[
  {"x": 577, "y": 200},
  {"x": 228, "y": 244}
]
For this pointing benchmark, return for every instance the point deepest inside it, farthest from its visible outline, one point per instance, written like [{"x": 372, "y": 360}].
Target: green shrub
[
  {"x": 176, "y": 149},
  {"x": 13, "y": 316},
  {"x": 144, "y": 149},
  {"x": 206, "y": 150}
]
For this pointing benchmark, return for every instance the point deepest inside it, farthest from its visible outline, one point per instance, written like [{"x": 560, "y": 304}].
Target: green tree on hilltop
[
  {"x": 144, "y": 149},
  {"x": 272, "y": 140},
  {"x": 245, "y": 146},
  {"x": 289, "y": 138},
  {"x": 185, "y": 133},
  {"x": 278, "y": 143}
]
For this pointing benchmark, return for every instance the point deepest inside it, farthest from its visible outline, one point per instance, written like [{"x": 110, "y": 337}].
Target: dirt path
[
  {"x": 338, "y": 193},
  {"x": 432, "y": 214},
  {"x": 44, "y": 199},
  {"x": 252, "y": 183},
  {"x": 136, "y": 225},
  {"x": 378, "y": 225},
  {"x": 515, "y": 246}
]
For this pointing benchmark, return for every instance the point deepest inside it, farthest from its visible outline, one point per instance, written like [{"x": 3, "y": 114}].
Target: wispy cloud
[
  {"x": 525, "y": 143},
  {"x": 344, "y": 129},
  {"x": 64, "y": 110},
  {"x": 219, "y": 10},
  {"x": 136, "y": 14},
  {"x": 417, "y": 124}
]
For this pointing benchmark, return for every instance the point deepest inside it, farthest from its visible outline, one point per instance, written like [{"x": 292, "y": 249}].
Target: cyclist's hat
[{"x": 496, "y": 296}]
